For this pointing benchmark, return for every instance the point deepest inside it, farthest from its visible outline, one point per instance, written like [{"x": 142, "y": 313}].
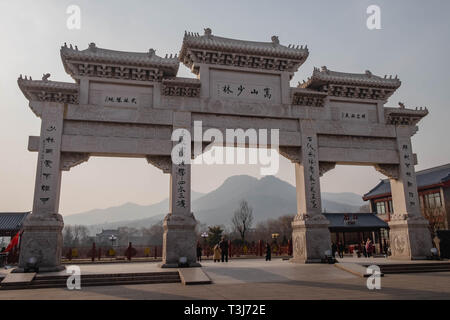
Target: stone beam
[
  {"x": 357, "y": 156},
  {"x": 115, "y": 146}
]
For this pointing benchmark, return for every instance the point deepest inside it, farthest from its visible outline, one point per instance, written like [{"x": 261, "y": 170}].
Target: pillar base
[
  {"x": 41, "y": 270},
  {"x": 410, "y": 238},
  {"x": 177, "y": 265},
  {"x": 41, "y": 243},
  {"x": 311, "y": 238},
  {"x": 179, "y": 240}
]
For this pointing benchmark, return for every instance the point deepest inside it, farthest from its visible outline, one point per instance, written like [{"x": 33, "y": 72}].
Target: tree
[
  {"x": 68, "y": 236},
  {"x": 243, "y": 219},
  {"x": 154, "y": 234},
  {"x": 214, "y": 235},
  {"x": 76, "y": 235},
  {"x": 365, "y": 208}
]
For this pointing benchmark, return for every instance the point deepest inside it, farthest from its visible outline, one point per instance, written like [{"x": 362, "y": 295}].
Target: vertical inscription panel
[
  {"x": 48, "y": 175},
  {"x": 404, "y": 189},
  {"x": 311, "y": 172}
]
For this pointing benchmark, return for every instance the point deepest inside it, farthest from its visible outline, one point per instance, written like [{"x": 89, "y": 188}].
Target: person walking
[
  {"x": 268, "y": 252},
  {"x": 223, "y": 244},
  {"x": 359, "y": 250},
  {"x": 333, "y": 249},
  {"x": 369, "y": 248},
  {"x": 363, "y": 245},
  {"x": 199, "y": 252},
  {"x": 216, "y": 254},
  {"x": 341, "y": 250}
]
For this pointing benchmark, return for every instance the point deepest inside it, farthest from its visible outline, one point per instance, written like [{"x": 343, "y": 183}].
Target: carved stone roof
[
  {"x": 324, "y": 76},
  {"x": 46, "y": 90},
  {"x": 197, "y": 48},
  {"x": 404, "y": 116},
  {"x": 94, "y": 55}
]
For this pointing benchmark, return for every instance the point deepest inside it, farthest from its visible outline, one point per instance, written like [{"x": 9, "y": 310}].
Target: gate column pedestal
[
  {"x": 179, "y": 240},
  {"x": 410, "y": 239},
  {"x": 41, "y": 243},
  {"x": 311, "y": 238}
]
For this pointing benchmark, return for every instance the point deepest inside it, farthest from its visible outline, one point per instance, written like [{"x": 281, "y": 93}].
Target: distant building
[
  {"x": 11, "y": 223},
  {"x": 434, "y": 193},
  {"x": 352, "y": 229}
]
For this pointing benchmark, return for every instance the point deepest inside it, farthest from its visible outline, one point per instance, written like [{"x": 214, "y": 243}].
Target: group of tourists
[
  {"x": 365, "y": 248},
  {"x": 220, "y": 251}
]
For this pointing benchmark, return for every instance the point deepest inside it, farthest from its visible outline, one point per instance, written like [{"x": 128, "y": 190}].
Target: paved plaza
[{"x": 255, "y": 279}]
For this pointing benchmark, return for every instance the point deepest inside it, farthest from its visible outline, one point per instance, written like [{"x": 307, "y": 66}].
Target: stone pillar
[
  {"x": 42, "y": 232},
  {"x": 179, "y": 239},
  {"x": 410, "y": 236},
  {"x": 311, "y": 236}
]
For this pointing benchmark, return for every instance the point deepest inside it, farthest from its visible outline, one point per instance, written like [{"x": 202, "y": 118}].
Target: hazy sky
[{"x": 413, "y": 43}]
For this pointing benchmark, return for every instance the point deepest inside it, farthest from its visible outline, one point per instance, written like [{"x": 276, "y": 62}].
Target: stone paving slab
[
  {"x": 381, "y": 261},
  {"x": 247, "y": 280},
  {"x": 354, "y": 268},
  {"x": 113, "y": 268},
  {"x": 22, "y": 278},
  {"x": 191, "y": 276}
]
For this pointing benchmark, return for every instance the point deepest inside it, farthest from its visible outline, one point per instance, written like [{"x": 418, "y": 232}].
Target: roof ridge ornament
[
  {"x": 208, "y": 32},
  {"x": 45, "y": 77},
  {"x": 92, "y": 47},
  {"x": 151, "y": 52},
  {"x": 368, "y": 73},
  {"x": 275, "y": 41}
]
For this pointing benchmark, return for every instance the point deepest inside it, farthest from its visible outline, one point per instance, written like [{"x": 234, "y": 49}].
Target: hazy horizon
[{"x": 413, "y": 43}]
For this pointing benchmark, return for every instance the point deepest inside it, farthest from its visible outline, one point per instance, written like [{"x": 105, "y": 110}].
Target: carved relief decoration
[
  {"x": 72, "y": 159},
  {"x": 182, "y": 87},
  {"x": 324, "y": 167},
  {"x": 291, "y": 153},
  {"x": 161, "y": 162},
  {"x": 389, "y": 170}
]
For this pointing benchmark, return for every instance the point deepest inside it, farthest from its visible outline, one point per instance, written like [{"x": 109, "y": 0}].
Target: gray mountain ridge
[{"x": 269, "y": 196}]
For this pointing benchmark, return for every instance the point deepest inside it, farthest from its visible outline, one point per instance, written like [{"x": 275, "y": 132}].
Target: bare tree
[
  {"x": 365, "y": 208},
  {"x": 154, "y": 234},
  {"x": 243, "y": 219}
]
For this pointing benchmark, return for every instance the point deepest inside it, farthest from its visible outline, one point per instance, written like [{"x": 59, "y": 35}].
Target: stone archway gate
[{"x": 125, "y": 104}]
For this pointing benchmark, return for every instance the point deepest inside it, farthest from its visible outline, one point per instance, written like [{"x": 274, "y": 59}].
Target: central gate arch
[{"x": 128, "y": 104}]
